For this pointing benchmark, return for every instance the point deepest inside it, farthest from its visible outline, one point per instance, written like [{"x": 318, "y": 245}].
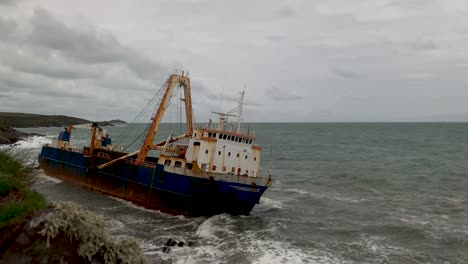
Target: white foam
[
  {"x": 348, "y": 199},
  {"x": 270, "y": 203},
  {"x": 299, "y": 191},
  {"x": 32, "y": 142},
  {"x": 277, "y": 251},
  {"x": 134, "y": 206},
  {"x": 215, "y": 227},
  {"x": 379, "y": 246},
  {"x": 114, "y": 225},
  {"x": 42, "y": 178},
  {"x": 337, "y": 197}
]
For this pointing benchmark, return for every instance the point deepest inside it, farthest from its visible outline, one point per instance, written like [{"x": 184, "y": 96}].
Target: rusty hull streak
[{"x": 90, "y": 185}]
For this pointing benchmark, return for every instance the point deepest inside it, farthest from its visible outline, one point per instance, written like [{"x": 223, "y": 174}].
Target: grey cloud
[
  {"x": 43, "y": 59},
  {"x": 8, "y": 2},
  {"x": 285, "y": 12},
  {"x": 345, "y": 73},
  {"x": 48, "y": 66},
  {"x": 199, "y": 89},
  {"x": 282, "y": 95},
  {"x": 89, "y": 46},
  {"x": 35, "y": 86},
  {"x": 8, "y": 29},
  {"x": 275, "y": 38},
  {"x": 424, "y": 45},
  {"x": 316, "y": 50}
]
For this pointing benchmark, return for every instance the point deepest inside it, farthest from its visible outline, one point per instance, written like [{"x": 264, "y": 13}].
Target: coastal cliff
[
  {"x": 33, "y": 231},
  {"x": 9, "y": 135},
  {"x": 9, "y": 121}
]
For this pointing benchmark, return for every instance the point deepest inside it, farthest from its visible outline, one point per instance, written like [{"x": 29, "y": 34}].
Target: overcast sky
[{"x": 333, "y": 60}]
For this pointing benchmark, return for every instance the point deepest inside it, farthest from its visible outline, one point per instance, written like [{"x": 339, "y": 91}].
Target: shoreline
[{"x": 10, "y": 135}]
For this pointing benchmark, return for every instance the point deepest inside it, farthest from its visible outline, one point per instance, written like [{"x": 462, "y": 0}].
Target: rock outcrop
[{"x": 64, "y": 233}]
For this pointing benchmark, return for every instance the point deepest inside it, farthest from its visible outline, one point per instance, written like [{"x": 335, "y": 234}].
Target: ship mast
[
  {"x": 174, "y": 79},
  {"x": 240, "y": 113}
]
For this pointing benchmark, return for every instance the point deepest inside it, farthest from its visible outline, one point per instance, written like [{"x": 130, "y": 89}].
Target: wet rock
[
  {"x": 168, "y": 242},
  {"x": 181, "y": 244},
  {"x": 166, "y": 249}
]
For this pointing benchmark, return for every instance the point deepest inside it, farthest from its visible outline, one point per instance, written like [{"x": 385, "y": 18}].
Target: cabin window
[
  {"x": 232, "y": 138},
  {"x": 228, "y": 137},
  {"x": 220, "y": 136},
  {"x": 196, "y": 143},
  {"x": 237, "y": 154},
  {"x": 224, "y": 168},
  {"x": 238, "y": 171},
  {"x": 243, "y": 140},
  {"x": 236, "y": 139},
  {"x": 219, "y": 152},
  {"x": 246, "y": 171},
  {"x": 245, "y": 156},
  {"x": 233, "y": 169},
  {"x": 167, "y": 163},
  {"x": 229, "y": 154},
  {"x": 214, "y": 135},
  {"x": 250, "y": 141},
  {"x": 178, "y": 164},
  {"x": 255, "y": 158},
  {"x": 213, "y": 168},
  {"x": 189, "y": 166},
  {"x": 209, "y": 134},
  {"x": 224, "y": 136},
  {"x": 206, "y": 151}
]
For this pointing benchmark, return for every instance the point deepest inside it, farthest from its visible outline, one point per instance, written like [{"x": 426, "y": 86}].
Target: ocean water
[{"x": 344, "y": 193}]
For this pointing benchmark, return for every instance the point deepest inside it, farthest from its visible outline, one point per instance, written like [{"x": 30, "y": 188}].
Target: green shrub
[
  {"x": 15, "y": 181},
  {"x": 6, "y": 185},
  {"x": 89, "y": 229}
]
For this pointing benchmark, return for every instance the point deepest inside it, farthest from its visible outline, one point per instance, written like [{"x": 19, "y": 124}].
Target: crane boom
[{"x": 174, "y": 79}]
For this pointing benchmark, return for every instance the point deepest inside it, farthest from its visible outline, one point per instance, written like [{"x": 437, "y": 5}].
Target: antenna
[{"x": 240, "y": 109}]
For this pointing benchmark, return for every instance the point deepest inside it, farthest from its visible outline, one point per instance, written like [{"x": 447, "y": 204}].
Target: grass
[{"x": 16, "y": 194}]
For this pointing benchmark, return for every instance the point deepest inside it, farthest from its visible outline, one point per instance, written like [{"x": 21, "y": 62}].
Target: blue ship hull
[{"x": 152, "y": 186}]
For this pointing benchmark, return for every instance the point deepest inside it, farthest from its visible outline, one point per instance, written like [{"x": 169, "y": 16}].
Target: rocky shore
[
  {"x": 35, "y": 231},
  {"x": 9, "y": 135}
]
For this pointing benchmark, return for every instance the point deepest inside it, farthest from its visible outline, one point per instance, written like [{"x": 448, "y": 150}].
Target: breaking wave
[{"x": 33, "y": 142}]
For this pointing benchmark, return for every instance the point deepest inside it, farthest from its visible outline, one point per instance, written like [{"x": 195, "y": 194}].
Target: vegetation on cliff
[
  {"x": 31, "y": 231},
  {"x": 16, "y": 196},
  {"x": 20, "y": 120},
  {"x": 31, "y": 120}
]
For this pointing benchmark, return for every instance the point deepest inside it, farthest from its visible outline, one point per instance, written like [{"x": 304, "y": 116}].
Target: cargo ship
[{"x": 205, "y": 171}]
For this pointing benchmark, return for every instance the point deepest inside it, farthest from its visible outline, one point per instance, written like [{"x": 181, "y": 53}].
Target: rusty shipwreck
[{"x": 205, "y": 171}]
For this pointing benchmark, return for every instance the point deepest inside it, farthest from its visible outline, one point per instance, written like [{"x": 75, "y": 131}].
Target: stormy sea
[{"x": 343, "y": 193}]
